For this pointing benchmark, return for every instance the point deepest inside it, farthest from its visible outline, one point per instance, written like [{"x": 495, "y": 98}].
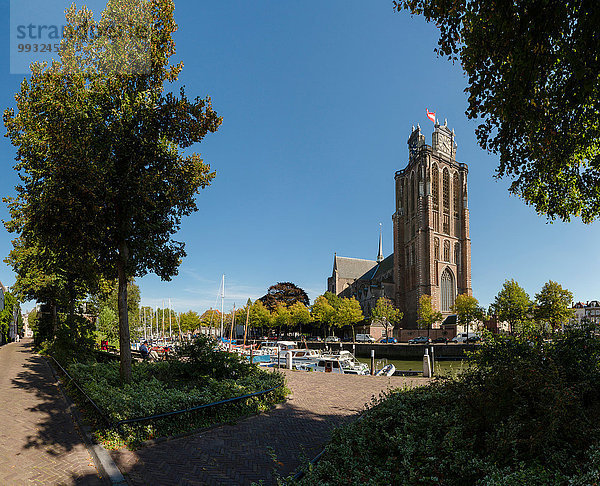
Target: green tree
[
  {"x": 467, "y": 310},
  {"x": 259, "y": 315},
  {"x": 282, "y": 317},
  {"x": 533, "y": 80},
  {"x": 553, "y": 305},
  {"x": 299, "y": 315},
  {"x": 348, "y": 313},
  {"x": 7, "y": 315},
  {"x": 385, "y": 312},
  {"x": 512, "y": 304},
  {"x": 190, "y": 321},
  {"x": 426, "y": 314},
  {"x": 285, "y": 293},
  {"x": 39, "y": 276},
  {"x": 108, "y": 296},
  {"x": 322, "y": 311},
  {"x": 100, "y": 148},
  {"x": 333, "y": 299},
  {"x": 108, "y": 325}
]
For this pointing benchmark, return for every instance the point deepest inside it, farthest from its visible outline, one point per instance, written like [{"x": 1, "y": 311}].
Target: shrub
[
  {"x": 201, "y": 376},
  {"x": 525, "y": 412}
]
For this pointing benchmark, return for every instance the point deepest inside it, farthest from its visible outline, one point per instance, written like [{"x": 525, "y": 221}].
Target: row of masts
[{"x": 149, "y": 316}]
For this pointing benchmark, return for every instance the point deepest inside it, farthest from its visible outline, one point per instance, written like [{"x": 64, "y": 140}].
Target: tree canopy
[
  {"x": 533, "y": 80},
  {"x": 467, "y": 310},
  {"x": 426, "y": 314},
  {"x": 385, "y": 312},
  {"x": 512, "y": 304},
  {"x": 553, "y": 305},
  {"x": 285, "y": 293},
  {"x": 100, "y": 148},
  {"x": 322, "y": 311}
]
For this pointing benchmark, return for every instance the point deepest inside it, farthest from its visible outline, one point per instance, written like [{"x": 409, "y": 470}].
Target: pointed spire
[{"x": 380, "y": 254}]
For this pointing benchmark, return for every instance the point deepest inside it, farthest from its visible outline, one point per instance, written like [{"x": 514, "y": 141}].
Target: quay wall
[{"x": 400, "y": 351}]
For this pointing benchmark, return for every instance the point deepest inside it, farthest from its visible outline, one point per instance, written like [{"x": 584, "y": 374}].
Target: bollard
[
  {"x": 251, "y": 352},
  {"x": 372, "y": 362},
  {"x": 354, "y": 349},
  {"x": 288, "y": 360},
  {"x": 278, "y": 357},
  {"x": 426, "y": 366},
  {"x": 432, "y": 361}
]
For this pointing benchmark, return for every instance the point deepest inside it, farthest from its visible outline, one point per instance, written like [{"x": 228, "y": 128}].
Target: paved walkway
[
  {"x": 239, "y": 454},
  {"x": 39, "y": 443}
]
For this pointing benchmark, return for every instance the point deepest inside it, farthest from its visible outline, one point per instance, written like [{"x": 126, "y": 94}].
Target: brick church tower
[{"x": 432, "y": 248}]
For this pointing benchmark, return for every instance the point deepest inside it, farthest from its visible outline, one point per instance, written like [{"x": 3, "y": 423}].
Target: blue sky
[{"x": 318, "y": 100}]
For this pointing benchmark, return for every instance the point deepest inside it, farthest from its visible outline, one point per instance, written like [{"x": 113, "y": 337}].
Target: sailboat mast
[
  {"x": 222, "y": 297},
  {"x": 170, "y": 330}
]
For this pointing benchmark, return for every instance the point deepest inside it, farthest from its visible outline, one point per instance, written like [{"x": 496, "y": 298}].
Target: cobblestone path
[
  {"x": 39, "y": 443},
  {"x": 239, "y": 454}
]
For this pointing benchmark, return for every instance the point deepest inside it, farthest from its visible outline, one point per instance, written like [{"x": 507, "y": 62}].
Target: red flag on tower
[{"x": 430, "y": 115}]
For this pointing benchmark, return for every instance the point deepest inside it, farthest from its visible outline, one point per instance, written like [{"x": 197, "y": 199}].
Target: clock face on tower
[{"x": 445, "y": 144}]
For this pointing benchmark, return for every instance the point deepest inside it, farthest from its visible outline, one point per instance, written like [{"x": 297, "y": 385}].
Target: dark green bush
[{"x": 524, "y": 413}]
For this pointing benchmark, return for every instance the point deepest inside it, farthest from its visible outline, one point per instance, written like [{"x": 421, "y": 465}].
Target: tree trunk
[
  {"x": 71, "y": 292},
  {"x": 124, "y": 339},
  {"x": 54, "y": 318}
]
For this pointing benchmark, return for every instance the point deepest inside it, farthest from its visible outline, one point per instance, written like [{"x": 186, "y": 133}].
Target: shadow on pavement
[
  {"x": 56, "y": 430},
  {"x": 246, "y": 452}
]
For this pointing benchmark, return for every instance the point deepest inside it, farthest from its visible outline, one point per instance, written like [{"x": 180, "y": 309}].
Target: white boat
[
  {"x": 387, "y": 370},
  {"x": 300, "y": 357},
  {"x": 343, "y": 363}
]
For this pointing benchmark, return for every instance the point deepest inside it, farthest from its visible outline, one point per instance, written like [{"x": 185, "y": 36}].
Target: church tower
[{"x": 432, "y": 248}]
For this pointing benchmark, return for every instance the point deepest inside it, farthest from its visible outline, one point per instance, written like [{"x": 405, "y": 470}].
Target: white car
[
  {"x": 364, "y": 338},
  {"x": 461, "y": 337}
]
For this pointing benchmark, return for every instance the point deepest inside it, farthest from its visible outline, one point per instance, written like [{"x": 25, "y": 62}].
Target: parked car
[
  {"x": 347, "y": 339},
  {"x": 388, "y": 340},
  {"x": 332, "y": 339},
  {"x": 364, "y": 338},
  {"x": 461, "y": 337},
  {"x": 420, "y": 340},
  {"x": 441, "y": 339},
  {"x": 473, "y": 338}
]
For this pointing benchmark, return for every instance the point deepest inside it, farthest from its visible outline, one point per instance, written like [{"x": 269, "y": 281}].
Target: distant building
[
  {"x": 590, "y": 310},
  {"x": 432, "y": 246}
]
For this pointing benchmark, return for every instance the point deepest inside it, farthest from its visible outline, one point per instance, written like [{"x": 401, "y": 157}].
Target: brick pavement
[
  {"x": 39, "y": 443},
  {"x": 239, "y": 454}
]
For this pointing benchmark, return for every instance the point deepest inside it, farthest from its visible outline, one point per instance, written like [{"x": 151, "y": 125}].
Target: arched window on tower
[
  {"x": 446, "y": 251},
  {"x": 446, "y": 200},
  {"x": 447, "y": 290},
  {"x": 435, "y": 194},
  {"x": 456, "y": 203},
  {"x": 436, "y": 248}
]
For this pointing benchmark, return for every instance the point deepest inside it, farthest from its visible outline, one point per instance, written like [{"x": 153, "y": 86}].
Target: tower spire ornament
[{"x": 380, "y": 254}]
